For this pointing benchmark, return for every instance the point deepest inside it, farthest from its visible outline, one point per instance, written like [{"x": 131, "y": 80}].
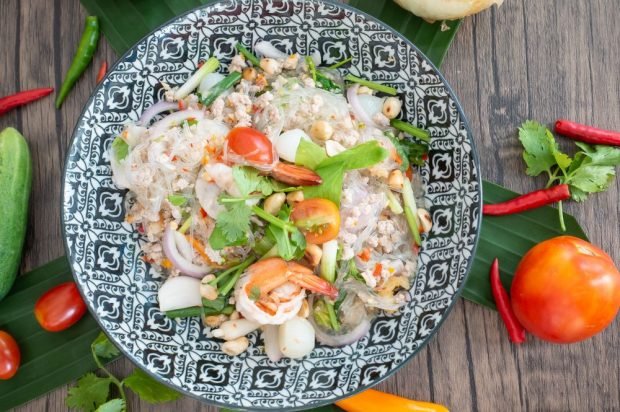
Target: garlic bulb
[{"x": 446, "y": 9}]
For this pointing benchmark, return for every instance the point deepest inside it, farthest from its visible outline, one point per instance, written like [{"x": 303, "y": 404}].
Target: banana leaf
[{"x": 52, "y": 360}]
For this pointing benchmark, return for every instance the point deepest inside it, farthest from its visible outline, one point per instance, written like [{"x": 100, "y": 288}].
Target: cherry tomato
[
  {"x": 60, "y": 307},
  {"x": 9, "y": 356},
  {"x": 250, "y": 144},
  {"x": 565, "y": 290},
  {"x": 318, "y": 219}
]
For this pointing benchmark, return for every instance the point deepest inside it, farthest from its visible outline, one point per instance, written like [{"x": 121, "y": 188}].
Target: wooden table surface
[{"x": 530, "y": 59}]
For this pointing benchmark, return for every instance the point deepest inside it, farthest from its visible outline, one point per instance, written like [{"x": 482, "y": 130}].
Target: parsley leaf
[
  {"x": 103, "y": 348},
  {"x": 149, "y": 389},
  {"x": 90, "y": 392},
  {"x": 115, "y": 405},
  {"x": 541, "y": 152},
  {"x": 120, "y": 148},
  {"x": 234, "y": 222},
  {"x": 601, "y": 155},
  {"x": 248, "y": 180}
]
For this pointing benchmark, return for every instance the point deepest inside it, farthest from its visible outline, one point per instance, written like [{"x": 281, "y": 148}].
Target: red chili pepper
[
  {"x": 516, "y": 332},
  {"x": 102, "y": 71},
  {"x": 19, "y": 99},
  {"x": 588, "y": 134},
  {"x": 528, "y": 201}
]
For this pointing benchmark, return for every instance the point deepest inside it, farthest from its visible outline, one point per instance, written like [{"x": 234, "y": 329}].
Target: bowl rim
[{"x": 322, "y": 402}]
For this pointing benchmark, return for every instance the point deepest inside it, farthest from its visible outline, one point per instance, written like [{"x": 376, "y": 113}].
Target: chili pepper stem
[{"x": 561, "y": 212}]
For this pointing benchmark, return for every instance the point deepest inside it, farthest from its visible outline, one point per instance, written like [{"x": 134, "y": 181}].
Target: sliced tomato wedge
[
  {"x": 251, "y": 144},
  {"x": 318, "y": 219}
]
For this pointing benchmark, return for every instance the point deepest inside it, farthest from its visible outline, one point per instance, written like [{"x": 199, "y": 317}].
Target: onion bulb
[
  {"x": 179, "y": 292},
  {"x": 296, "y": 338},
  {"x": 446, "y": 9}
]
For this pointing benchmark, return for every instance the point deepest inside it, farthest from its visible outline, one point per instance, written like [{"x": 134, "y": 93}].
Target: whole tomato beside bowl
[
  {"x": 565, "y": 290},
  {"x": 60, "y": 307},
  {"x": 10, "y": 356}
]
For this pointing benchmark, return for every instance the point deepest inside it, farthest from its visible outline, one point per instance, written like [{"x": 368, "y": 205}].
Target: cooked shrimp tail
[{"x": 295, "y": 175}]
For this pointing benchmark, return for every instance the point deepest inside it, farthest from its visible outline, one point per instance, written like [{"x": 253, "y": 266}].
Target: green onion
[
  {"x": 340, "y": 63},
  {"x": 371, "y": 85},
  {"x": 272, "y": 219},
  {"x": 273, "y": 252},
  {"x": 333, "y": 318},
  {"x": 248, "y": 54},
  {"x": 186, "y": 225},
  {"x": 328, "y": 260},
  {"x": 220, "y": 87},
  {"x": 230, "y": 283},
  {"x": 311, "y": 67},
  {"x": 209, "y": 66},
  {"x": 411, "y": 130},
  {"x": 394, "y": 204},
  {"x": 185, "y": 312},
  {"x": 410, "y": 211}
]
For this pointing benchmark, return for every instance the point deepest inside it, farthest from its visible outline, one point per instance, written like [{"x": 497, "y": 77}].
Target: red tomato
[
  {"x": 250, "y": 144},
  {"x": 565, "y": 290},
  {"x": 318, "y": 219},
  {"x": 9, "y": 356},
  {"x": 60, "y": 307}
]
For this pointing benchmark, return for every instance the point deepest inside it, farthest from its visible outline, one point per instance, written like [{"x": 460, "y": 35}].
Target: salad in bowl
[{"x": 280, "y": 196}]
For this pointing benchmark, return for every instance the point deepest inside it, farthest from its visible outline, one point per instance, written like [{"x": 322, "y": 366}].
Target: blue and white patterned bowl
[{"x": 121, "y": 290}]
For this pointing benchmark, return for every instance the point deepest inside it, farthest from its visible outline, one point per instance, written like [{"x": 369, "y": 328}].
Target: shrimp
[
  {"x": 272, "y": 290},
  {"x": 246, "y": 145}
]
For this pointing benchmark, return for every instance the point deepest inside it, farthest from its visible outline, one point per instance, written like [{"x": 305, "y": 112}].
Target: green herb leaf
[
  {"x": 601, "y": 155},
  {"x": 410, "y": 152},
  {"x": 538, "y": 144},
  {"x": 590, "y": 178},
  {"x": 177, "y": 200},
  {"x": 90, "y": 392},
  {"x": 103, "y": 348},
  {"x": 309, "y": 154},
  {"x": 149, "y": 389},
  {"x": 254, "y": 293},
  {"x": 215, "y": 305},
  {"x": 234, "y": 222},
  {"x": 218, "y": 241},
  {"x": 331, "y": 188},
  {"x": 120, "y": 148},
  {"x": 115, "y": 405},
  {"x": 248, "y": 181},
  {"x": 361, "y": 156}
]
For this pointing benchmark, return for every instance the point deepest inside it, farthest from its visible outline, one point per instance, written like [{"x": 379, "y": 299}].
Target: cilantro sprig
[
  {"x": 590, "y": 170},
  {"x": 92, "y": 392}
]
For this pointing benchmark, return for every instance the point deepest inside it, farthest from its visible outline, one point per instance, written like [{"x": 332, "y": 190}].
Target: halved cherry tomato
[
  {"x": 9, "y": 356},
  {"x": 250, "y": 144},
  {"x": 60, "y": 307},
  {"x": 565, "y": 290},
  {"x": 318, "y": 219}
]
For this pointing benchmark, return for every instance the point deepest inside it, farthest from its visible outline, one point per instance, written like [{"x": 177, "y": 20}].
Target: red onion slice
[
  {"x": 264, "y": 48},
  {"x": 159, "y": 107},
  {"x": 356, "y": 106},
  {"x": 180, "y": 263},
  {"x": 355, "y": 334}
]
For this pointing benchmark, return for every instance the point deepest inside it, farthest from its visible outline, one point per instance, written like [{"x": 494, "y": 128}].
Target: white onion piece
[
  {"x": 233, "y": 329},
  {"x": 356, "y": 106},
  {"x": 174, "y": 119},
  {"x": 179, "y": 292},
  {"x": 183, "y": 246},
  {"x": 316, "y": 58},
  {"x": 154, "y": 110},
  {"x": 266, "y": 49},
  {"x": 296, "y": 338},
  {"x": 370, "y": 104},
  {"x": 209, "y": 81},
  {"x": 207, "y": 194},
  {"x": 194, "y": 81},
  {"x": 272, "y": 345},
  {"x": 288, "y": 142},
  {"x": 180, "y": 263},
  {"x": 335, "y": 340}
]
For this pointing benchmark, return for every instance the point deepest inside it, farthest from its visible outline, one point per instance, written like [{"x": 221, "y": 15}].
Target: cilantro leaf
[
  {"x": 234, "y": 222},
  {"x": 248, "y": 180},
  {"x": 590, "y": 178},
  {"x": 149, "y": 389},
  {"x": 120, "y": 148},
  {"x": 538, "y": 153},
  {"x": 601, "y": 155},
  {"x": 103, "y": 348},
  {"x": 90, "y": 392},
  {"x": 115, "y": 405}
]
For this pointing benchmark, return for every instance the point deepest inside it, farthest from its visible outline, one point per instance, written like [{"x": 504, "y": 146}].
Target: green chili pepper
[{"x": 83, "y": 56}]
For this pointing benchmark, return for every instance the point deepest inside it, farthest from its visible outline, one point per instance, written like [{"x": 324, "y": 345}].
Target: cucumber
[{"x": 15, "y": 182}]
